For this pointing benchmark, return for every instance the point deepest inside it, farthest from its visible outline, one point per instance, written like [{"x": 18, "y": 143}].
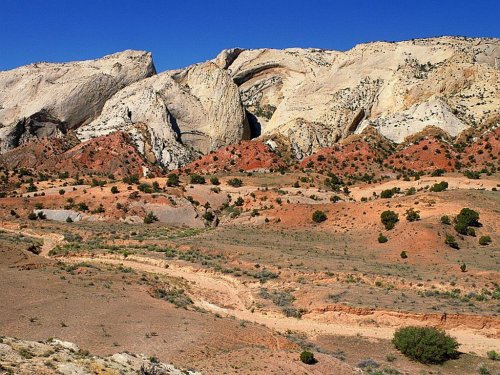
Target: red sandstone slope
[{"x": 110, "y": 154}]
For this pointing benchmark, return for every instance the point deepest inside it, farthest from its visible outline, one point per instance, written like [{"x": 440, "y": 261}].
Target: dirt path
[
  {"x": 50, "y": 240},
  {"x": 226, "y": 295}
]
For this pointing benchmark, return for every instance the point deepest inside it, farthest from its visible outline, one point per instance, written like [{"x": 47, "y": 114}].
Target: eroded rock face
[
  {"x": 312, "y": 97},
  {"x": 176, "y": 115},
  {"x": 46, "y": 99},
  {"x": 317, "y": 97}
]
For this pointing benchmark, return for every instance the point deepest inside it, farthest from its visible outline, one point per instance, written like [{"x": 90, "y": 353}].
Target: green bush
[
  {"x": 441, "y": 186},
  {"x": 307, "y": 357},
  {"x": 445, "y": 219},
  {"x": 32, "y": 216},
  {"x": 389, "y": 219},
  {"x": 235, "y": 182},
  {"x": 484, "y": 240},
  {"x": 214, "y": 181},
  {"x": 425, "y": 344},
  {"x": 412, "y": 215},
  {"x": 173, "y": 180},
  {"x": 403, "y": 255},
  {"x": 493, "y": 355},
  {"x": 451, "y": 241},
  {"x": 461, "y": 228},
  {"x": 468, "y": 217},
  {"x": 150, "y": 218},
  {"x": 382, "y": 238},
  {"x": 197, "y": 179},
  {"x": 114, "y": 190},
  {"x": 318, "y": 216}
]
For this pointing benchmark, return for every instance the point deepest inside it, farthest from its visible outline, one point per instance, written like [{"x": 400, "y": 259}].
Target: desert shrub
[
  {"x": 69, "y": 219},
  {"x": 197, "y": 179},
  {"x": 493, "y": 355},
  {"x": 132, "y": 179},
  {"x": 150, "y": 218},
  {"x": 412, "y": 215},
  {"x": 468, "y": 217},
  {"x": 473, "y": 175},
  {"x": 114, "y": 190},
  {"x": 32, "y": 216},
  {"x": 239, "y": 202},
  {"x": 425, "y": 344},
  {"x": 173, "y": 180},
  {"x": 451, "y": 241},
  {"x": 389, "y": 193},
  {"x": 235, "y": 182},
  {"x": 471, "y": 232},
  {"x": 461, "y": 228},
  {"x": 214, "y": 181},
  {"x": 61, "y": 191},
  {"x": 382, "y": 238},
  {"x": 484, "y": 240},
  {"x": 445, "y": 219},
  {"x": 389, "y": 219},
  {"x": 208, "y": 216},
  {"x": 437, "y": 172},
  {"x": 440, "y": 186},
  {"x": 403, "y": 255},
  {"x": 463, "y": 267},
  {"x": 307, "y": 357},
  {"x": 318, "y": 216},
  {"x": 145, "y": 188}
]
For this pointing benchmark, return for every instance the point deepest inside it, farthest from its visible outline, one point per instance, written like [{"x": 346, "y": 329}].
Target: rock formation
[
  {"x": 176, "y": 115},
  {"x": 317, "y": 97},
  {"x": 46, "y": 100},
  {"x": 312, "y": 98}
]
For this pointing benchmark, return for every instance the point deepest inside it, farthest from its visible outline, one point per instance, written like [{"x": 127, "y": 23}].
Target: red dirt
[
  {"x": 110, "y": 154},
  {"x": 246, "y": 155}
]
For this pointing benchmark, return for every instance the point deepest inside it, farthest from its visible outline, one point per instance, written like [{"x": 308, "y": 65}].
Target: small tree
[
  {"x": 173, "y": 180},
  {"x": 441, "y": 186},
  {"x": 484, "y": 240},
  {"x": 382, "y": 238},
  {"x": 235, "y": 182},
  {"x": 318, "y": 216},
  {"x": 239, "y": 202},
  {"x": 389, "y": 219},
  {"x": 412, "y": 215},
  {"x": 197, "y": 179},
  {"x": 425, "y": 344},
  {"x": 114, "y": 190},
  {"x": 403, "y": 255},
  {"x": 32, "y": 216},
  {"x": 150, "y": 218},
  {"x": 463, "y": 267},
  {"x": 214, "y": 181},
  {"x": 451, "y": 241},
  {"x": 307, "y": 357},
  {"x": 445, "y": 219},
  {"x": 468, "y": 217}
]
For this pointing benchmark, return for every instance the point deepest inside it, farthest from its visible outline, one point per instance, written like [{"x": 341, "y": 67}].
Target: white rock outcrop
[
  {"x": 46, "y": 99},
  {"x": 315, "y": 97},
  {"x": 176, "y": 115}
]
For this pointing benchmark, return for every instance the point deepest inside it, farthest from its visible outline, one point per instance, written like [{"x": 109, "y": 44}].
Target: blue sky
[{"x": 183, "y": 32}]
